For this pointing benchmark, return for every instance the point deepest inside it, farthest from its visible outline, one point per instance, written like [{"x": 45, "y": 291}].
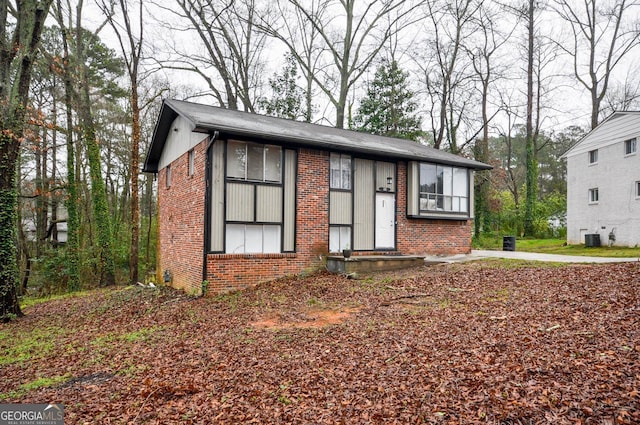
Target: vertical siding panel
[
  {"x": 340, "y": 209},
  {"x": 471, "y": 187},
  {"x": 240, "y": 202},
  {"x": 289, "y": 200},
  {"x": 269, "y": 204},
  {"x": 217, "y": 196},
  {"x": 364, "y": 205},
  {"x": 413, "y": 187},
  {"x": 383, "y": 171}
]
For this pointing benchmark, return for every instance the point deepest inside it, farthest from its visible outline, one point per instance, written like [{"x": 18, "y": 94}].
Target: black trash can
[
  {"x": 509, "y": 243},
  {"x": 592, "y": 240}
]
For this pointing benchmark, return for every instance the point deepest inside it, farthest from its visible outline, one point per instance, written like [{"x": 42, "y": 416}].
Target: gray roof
[
  {"x": 208, "y": 119},
  {"x": 617, "y": 127}
]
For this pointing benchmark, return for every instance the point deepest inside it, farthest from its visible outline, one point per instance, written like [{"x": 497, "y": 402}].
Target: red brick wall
[
  {"x": 181, "y": 221},
  {"x": 181, "y": 210},
  {"x": 426, "y": 236},
  {"x": 233, "y": 271}
]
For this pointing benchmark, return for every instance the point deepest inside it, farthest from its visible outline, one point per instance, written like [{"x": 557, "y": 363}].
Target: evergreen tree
[
  {"x": 389, "y": 108},
  {"x": 287, "y": 98}
]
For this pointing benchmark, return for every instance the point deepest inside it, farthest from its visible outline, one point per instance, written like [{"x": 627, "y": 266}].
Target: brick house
[{"x": 244, "y": 198}]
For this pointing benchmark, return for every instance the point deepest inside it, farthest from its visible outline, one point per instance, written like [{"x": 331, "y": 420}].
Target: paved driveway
[
  {"x": 548, "y": 257},
  {"x": 480, "y": 254}
]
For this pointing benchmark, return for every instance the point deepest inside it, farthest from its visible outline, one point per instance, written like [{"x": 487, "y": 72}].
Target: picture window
[{"x": 443, "y": 189}]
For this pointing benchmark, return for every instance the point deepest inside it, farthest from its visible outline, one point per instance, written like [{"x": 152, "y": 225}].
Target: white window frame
[
  {"x": 593, "y": 157},
  {"x": 630, "y": 146},
  {"x": 245, "y": 162},
  {"x": 453, "y": 199},
  {"x": 340, "y": 171},
  {"x": 339, "y": 238},
  {"x": 594, "y": 195},
  {"x": 241, "y": 238},
  {"x": 638, "y": 189}
]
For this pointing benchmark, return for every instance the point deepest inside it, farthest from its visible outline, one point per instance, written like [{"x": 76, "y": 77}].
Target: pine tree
[
  {"x": 389, "y": 108},
  {"x": 287, "y": 97}
]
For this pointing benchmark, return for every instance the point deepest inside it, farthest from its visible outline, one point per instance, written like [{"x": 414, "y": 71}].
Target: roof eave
[{"x": 168, "y": 114}]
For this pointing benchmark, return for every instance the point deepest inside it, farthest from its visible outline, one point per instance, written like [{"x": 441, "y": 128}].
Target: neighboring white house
[{"x": 603, "y": 183}]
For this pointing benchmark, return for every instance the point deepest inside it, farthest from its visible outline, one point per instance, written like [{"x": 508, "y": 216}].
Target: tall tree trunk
[
  {"x": 135, "y": 202},
  {"x": 40, "y": 219},
  {"x": 482, "y": 177},
  {"x": 98, "y": 188},
  {"x": 73, "y": 221},
  {"x": 54, "y": 159},
  {"x": 17, "y": 55},
  {"x": 532, "y": 166}
]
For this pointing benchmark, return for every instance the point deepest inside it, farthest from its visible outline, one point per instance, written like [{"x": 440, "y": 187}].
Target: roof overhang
[{"x": 209, "y": 119}]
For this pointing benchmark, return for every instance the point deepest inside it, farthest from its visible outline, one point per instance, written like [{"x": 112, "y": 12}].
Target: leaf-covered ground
[{"x": 452, "y": 344}]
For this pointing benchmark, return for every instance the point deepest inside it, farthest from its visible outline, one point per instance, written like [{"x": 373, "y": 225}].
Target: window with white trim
[
  {"x": 339, "y": 238},
  {"x": 340, "y": 171},
  {"x": 638, "y": 189},
  {"x": 630, "y": 146},
  {"x": 594, "y": 196},
  {"x": 252, "y": 238},
  {"x": 593, "y": 156},
  {"x": 254, "y": 162},
  {"x": 443, "y": 189}
]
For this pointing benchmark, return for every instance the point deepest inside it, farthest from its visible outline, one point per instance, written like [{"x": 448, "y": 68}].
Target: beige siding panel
[
  {"x": 385, "y": 170},
  {"x": 472, "y": 201},
  {"x": 364, "y": 205},
  {"x": 289, "y": 221},
  {"x": 413, "y": 188},
  {"x": 340, "y": 210},
  {"x": 217, "y": 196},
  {"x": 179, "y": 141},
  {"x": 240, "y": 202},
  {"x": 269, "y": 204}
]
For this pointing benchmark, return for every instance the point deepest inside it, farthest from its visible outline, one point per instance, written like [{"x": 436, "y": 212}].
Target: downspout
[{"x": 207, "y": 203}]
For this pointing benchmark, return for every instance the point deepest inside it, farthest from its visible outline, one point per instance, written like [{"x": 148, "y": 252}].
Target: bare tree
[
  {"x": 301, "y": 39},
  {"x": 624, "y": 95},
  {"x": 350, "y": 35},
  {"x": 130, "y": 40},
  {"x": 231, "y": 64},
  {"x": 448, "y": 74},
  {"x": 602, "y": 34},
  {"x": 483, "y": 59},
  {"x": 532, "y": 166}
]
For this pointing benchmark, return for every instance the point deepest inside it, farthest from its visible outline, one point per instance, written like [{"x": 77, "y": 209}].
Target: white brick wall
[{"x": 614, "y": 175}]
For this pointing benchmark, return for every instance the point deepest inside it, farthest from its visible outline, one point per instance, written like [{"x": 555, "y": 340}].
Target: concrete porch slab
[{"x": 372, "y": 263}]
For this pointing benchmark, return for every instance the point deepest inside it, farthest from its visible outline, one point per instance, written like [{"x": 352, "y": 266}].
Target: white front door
[{"x": 385, "y": 220}]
